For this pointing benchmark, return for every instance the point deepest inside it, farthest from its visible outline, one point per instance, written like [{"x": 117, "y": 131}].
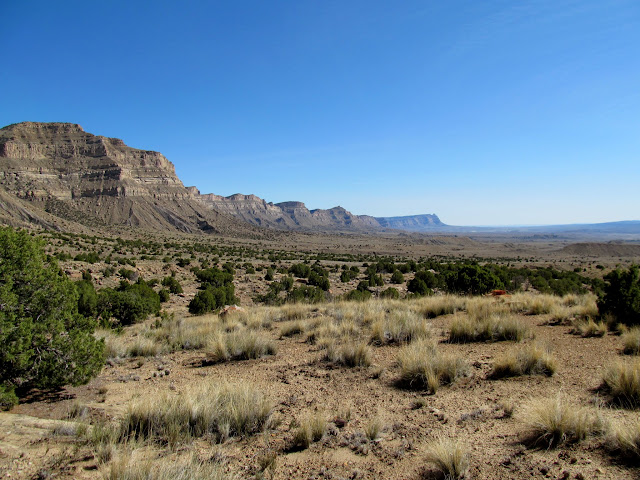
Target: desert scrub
[
  {"x": 554, "y": 421},
  {"x": 291, "y": 328},
  {"x": 623, "y": 439},
  {"x": 189, "y": 333},
  {"x": 449, "y": 456},
  {"x": 622, "y": 380},
  {"x": 431, "y": 307},
  {"x": 219, "y": 411},
  {"x": 423, "y": 366},
  {"x": 482, "y": 308},
  {"x": 530, "y": 360},
  {"x": 311, "y": 429},
  {"x": 400, "y": 327},
  {"x": 373, "y": 429},
  {"x": 349, "y": 354},
  {"x": 238, "y": 345},
  {"x": 631, "y": 341},
  {"x": 127, "y": 467},
  {"x": 114, "y": 344},
  {"x": 589, "y": 328},
  {"x": 533, "y": 304},
  {"x": 143, "y": 347},
  {"x": 465, "y": 329}
]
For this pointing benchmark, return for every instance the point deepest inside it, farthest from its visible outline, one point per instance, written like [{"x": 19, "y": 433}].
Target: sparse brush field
[{"x": 480, "y": 387}]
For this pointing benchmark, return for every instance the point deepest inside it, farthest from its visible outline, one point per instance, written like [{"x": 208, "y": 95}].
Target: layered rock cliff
[
  {"x": 95, "y": 180},
  {"x": 289, "y": 215}
]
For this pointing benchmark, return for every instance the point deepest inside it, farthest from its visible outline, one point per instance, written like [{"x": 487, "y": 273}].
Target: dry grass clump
[
  {"x": 623, "y": 439},
  {"x": 373, "y": 428},
  {"x": 293, "y": 311},
  {"x": 115, "y": 346},
  {"x": 327, "y": 330},
  {"x": 127, "y": 467},
  {"x": 189, "y": 333},
  {"x": 400, "y": 327},
  {"x": 534, "y": 304},
  {"x": 589, "y": 328},
  {"x": 449, "y": 456},
  {"x": 553, "y": 421},
  {"x": 292, "y": 328},
  {"x": 238, "y": 345},
  {"x": 622, "y": 380},
  {"x": 483, "y": 308},
  {"x": 465, "y": 329},
  {"x": 143, "y": 347},
  {"x": 530, "y": 360},
  {"x": 311, "y": 429},
  {"x": 631, "y": 341},
  {"x": 349, "y": 354},
  {"x": 431, "y": 307},
  {"x": 423, "y": 366},
  {"x": 219, "y": 411}
]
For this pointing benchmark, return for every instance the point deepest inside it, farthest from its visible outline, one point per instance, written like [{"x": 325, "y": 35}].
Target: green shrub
[
  {"x": 300, "y": 270},
  {"x": 128, "y": 304},
  {"x": 391, "y": 293},
  {"x": 622, "y": 295},
  {"x": 211, "y": 299},
  {"x": 397, "y": 277},
  {"x": 87, "y": 298},
  {"x": 357, "y": 295},
  {"x": 306, "y": 295},
  {"x": 44, "y": 341},
  {"x": 172, "y": 284}
]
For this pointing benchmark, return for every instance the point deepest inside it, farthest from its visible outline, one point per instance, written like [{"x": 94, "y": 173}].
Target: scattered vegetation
[
  {"x": 44, "y": 341},
  {"x": 530, "y": 360},
  {"x": 423, "y": 366},
  {"x": 449, "y": 456},
  {"x": 621, "y": 380},
  {"x": 554, "y": 421},
  {"x": 495, "y": 327},
  {"x": 218, "y": 411},
  {"x": 631, "y": 341}
]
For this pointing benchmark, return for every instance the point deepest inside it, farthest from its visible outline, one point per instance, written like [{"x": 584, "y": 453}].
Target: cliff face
[
  {"x": 94, "y": 180},
  {"x": 415, "y": 223},
  {"x": 289, "y": 215},
  {"x": 61, "y": 160},
  {"x": 57, "y": 170}
]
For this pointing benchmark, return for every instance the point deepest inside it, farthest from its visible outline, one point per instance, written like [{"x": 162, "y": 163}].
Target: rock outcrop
[
  {"x": 62, "y": 170},
  {"x": 290, "y": 215}
]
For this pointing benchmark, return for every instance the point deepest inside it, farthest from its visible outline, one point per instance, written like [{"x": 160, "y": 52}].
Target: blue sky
[{"x": 485, "y": 113}]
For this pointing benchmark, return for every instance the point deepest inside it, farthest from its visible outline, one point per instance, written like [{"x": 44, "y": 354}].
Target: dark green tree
[
  {"x": 44, "y": 341},
  {"x": 622, "y": 295}
]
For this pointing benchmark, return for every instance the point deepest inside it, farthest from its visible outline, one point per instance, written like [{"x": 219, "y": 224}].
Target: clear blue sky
[{"x": 483, "y": 112}]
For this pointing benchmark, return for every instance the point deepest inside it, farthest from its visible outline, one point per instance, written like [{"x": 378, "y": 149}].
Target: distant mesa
[{"x": 57, "y": 171}]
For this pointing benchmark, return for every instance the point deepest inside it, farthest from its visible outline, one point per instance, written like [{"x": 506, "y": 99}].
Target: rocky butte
[{"x": 57, "y": 170}]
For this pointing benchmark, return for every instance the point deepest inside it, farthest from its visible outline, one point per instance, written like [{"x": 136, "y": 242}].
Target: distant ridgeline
[{"x": 56, "y": 172}]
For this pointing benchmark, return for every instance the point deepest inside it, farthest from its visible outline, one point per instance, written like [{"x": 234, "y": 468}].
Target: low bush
[
  {"x": 631, "y": 341},
  {"x": 530, "y": 360},
  {"x": 349, "y": 355},
  {"x": 621, "y": 379},
  {"x": 495, "y": 328},
  {"x": 589, "y": 328},
  {"x": 400, "y": 327},
  {"x": 311, "y": 429},
  {"x": 449, "y": 456},
  {"x": 216, "y": 410},
  {"x": 621, "y": 297},
  {"x": 423, "y": 366},
  {"x": 623, "y": 439},
  {"x": 238, "y": 345},
  {"x": 554, "y": 421}
]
